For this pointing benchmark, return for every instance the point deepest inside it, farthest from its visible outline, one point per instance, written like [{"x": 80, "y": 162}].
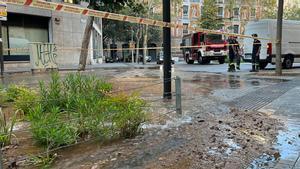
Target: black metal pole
[
  {"x": 167, "y": 50},
  {"x": 1, "y": 50},
  {"x": 279, "y": 37}
]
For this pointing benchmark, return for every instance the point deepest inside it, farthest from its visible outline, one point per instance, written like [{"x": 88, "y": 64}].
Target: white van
[{"x": 267, "y": 29}]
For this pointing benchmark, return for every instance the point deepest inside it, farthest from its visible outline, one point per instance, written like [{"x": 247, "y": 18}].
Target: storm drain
[{"x": 262, "y": 97}]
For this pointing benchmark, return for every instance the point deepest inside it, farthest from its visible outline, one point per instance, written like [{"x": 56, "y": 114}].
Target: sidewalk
[
  {"x": 287, "y": 109},
  {"x": 25, "y": 67}
]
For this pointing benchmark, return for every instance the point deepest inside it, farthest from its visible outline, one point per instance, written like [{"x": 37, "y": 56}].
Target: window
[
  {"x": 253, "y": 12},
  {"x": 202, "y": 36},
  {"x": 20, "y": 31},
  {"x": 195, "y": 41},
  {"x": 220, "y": 11},
  {"x": 185, "y": 31},
  {"x": 71, "y": 1},
  {"x": 236, "y": 12},
  {"x": 236, "y": 28},
  {"x": 185, "y": 10},
  {"x": 4, "y": 37},
  {"x": 214, "y": 38},
  {"x": 220, "y": 1}
]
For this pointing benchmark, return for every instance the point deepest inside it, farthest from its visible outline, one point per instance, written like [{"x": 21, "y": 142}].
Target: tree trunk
[
  {"x": 145, "y": 43},
  {"x": 85, "y": 43},
  {"x": 138, "y": 39},
  {"x": 137, "y": 50}
]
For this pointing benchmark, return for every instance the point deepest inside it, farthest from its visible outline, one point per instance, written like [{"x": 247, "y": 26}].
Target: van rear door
[{"x": 261, "y": 28}]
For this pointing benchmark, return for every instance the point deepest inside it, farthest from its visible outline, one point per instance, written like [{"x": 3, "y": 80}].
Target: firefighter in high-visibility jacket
[
  {"x": 232, "y": 53},
  {"x": 237, "y": 54},
  {"x": 255, "y": 54}
]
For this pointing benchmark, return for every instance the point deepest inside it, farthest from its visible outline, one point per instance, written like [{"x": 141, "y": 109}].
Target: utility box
[{"x": 43, "y": 56}]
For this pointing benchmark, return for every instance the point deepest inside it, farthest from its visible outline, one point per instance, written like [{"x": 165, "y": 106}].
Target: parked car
[
  {"x": 160, "y": 60},
  {"x": 109, "y": 60},
  {"x": 147, "y": 58}
]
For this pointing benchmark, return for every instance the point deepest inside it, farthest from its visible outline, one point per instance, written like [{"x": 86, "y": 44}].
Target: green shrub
[
  {"x": 50, "y": 128},
  {"x": 129, "y": 120},
  {"x": 3, "y": 96},
  {"x": 23, "y": 97},
  {"x": 78, "y": 107},
  {"x": 25, "y": 100},
  {"x": 125, "y": 114},
  {"x": 43, "y": 162},
  {"x": 51, "y": 95},
  {"x": 14, "y": 91},
  {"x": 6, "y": 128}
]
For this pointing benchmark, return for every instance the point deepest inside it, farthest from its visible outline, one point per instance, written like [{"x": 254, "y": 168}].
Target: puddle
[
  {"x": 176, "y": 122},
  {"x": 151, "y": 67},
  {"x": 287, "y": 144},
  {"x": 269, "y": 80},
  {"x": 20, "y": 126},
  {"x": 288, "y": 141},
  {"x": 263, "y": 162},
  {"x": 229, "y": 82},
  {"x": 227, "y": 150}
]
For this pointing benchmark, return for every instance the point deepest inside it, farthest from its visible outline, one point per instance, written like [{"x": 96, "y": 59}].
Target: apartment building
[
  {"x": 234, "y": 15},
  {"x": 292, "y": 3},
  {"x": 241, "y": 12},
  {"x": 25, "y": 25}
]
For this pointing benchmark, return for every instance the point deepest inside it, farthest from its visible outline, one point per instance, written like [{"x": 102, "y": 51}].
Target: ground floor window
[
  {"x": 236, "y": 28},
  {"x": 19, "y": 30}
]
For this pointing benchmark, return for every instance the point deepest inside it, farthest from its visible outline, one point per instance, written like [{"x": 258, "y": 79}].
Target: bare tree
[{"x": 85, "y": 43}]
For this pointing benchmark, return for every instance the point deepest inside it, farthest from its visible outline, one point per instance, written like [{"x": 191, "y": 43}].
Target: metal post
[
  {"x": 167, "y": 50},
  {"x": 132, "y": 56},
  {"x": 1, "y": 50},
  {"x": 178, "y": 95},
  {"x": 279, "y": 37},
  {"x": 1, "y": 160}
]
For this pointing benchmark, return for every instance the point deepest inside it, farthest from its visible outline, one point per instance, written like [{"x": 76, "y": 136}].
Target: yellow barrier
[
  {"x": 113, "y": 16},
  {"x": 122, "y": 49}
]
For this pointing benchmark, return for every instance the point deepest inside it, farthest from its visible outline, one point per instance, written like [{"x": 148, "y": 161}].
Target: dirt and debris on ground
[
  {"x": 210, "y": 135},
  {"x": 207, "y": 141}
]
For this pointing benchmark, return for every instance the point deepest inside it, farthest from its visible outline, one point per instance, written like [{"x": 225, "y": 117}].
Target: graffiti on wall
[{"x": 43, "y": 55}]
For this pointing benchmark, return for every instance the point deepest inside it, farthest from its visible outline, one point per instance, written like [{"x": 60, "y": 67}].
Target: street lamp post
[
  {"x": 279, "y": 37},
  {"x": 167, "y": 50},
  {"x": 132, "y": 47},
  {"x": 1, "y": 50}
]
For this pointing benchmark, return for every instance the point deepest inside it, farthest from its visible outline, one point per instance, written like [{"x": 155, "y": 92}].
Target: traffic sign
[{"x": 3, "y": 10}]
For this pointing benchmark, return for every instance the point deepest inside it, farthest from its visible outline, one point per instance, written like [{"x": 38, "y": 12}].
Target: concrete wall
[
  {"x": 65, "y": 30},
  {"x": 28, "y": 10},
  {"x": 67, "y": 33}
]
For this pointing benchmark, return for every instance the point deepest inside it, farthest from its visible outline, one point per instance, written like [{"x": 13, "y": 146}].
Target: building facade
[
  {"x": 235, "y": 14},
  {"x": 26, "y": 25},
  {"x": 292, "y": 3}
]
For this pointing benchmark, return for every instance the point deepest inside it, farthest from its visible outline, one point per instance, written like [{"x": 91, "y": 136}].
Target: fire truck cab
[{"x": 203, "y": 47}]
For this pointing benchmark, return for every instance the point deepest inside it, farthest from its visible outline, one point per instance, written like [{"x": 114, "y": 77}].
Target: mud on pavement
[
  {"x": 207, "y": 141},
  {"x": 210, "y": 135}
]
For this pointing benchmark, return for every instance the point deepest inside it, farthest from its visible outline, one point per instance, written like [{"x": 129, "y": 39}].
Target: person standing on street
[
  {"x": 232, "y": 54},
  {"x": 237, "y": 54},
  {"x": 255, "y": 53}
]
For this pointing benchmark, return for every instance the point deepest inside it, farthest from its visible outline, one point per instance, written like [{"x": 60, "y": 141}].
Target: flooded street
[{"x": 229, "y": 121}]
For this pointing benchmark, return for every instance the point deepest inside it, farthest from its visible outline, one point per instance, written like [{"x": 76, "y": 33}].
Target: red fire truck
[{"x": 203, "y": 48}]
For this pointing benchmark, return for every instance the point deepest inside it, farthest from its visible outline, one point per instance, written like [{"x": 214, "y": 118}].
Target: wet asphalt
[{"x": 278, "y": 96}]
